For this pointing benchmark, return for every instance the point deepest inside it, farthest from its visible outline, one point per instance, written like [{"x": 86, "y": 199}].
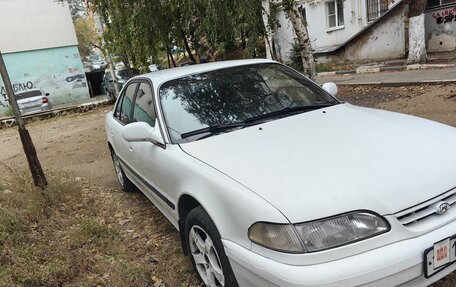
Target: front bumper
[{"x": 397, "y": 264}]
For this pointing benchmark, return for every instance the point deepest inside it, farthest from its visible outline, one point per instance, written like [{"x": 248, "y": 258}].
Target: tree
[
  {"x": 87, "y": 36},
  {"x": 300, "y": 29},
  {"x": 77, "y": 8},
  {"x": 266, "y": 5},
  {"x": 417, "y": 37},
  {"x": 144, "y": 30}
]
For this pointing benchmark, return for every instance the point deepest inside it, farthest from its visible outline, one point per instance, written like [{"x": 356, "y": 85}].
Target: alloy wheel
[
  {"x": 118, "y": 170},
  {"x": 206, "y": 259}
]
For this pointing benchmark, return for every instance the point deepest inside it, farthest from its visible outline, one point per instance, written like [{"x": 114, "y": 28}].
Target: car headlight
[
  {"x": 320, "y": 234},
  {"x": 279, "y": 237}
]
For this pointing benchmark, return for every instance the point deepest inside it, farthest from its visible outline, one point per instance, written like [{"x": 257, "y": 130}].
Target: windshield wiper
[
  {"x": 215, "y": 129},
  {"x": 220, "y": 128},
  {"x": 287, "y": 112}
]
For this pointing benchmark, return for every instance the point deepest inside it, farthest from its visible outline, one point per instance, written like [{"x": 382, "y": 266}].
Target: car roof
[{"x": 161, "y": 76}]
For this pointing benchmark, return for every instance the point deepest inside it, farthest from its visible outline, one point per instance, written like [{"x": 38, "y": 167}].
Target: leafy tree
[
  {"x": 141, "y": 30},
  {"x": 302, "y": 36},
  {"x": 87, "y": 36},
  {"x": 77, "y": 8}
]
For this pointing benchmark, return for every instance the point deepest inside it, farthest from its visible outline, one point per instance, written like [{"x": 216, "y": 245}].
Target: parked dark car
[{"x": 122, "y": 76}]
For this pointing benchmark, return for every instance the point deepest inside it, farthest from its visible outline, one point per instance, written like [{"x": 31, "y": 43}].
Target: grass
[
  {"x": 330, "y": 67},
  {"x": 70, "y": 235}
]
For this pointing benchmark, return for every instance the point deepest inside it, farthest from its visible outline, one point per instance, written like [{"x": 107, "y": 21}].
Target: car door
[
  {"x": 122, "y": 116},
  {"x": 151, "y": 160}
]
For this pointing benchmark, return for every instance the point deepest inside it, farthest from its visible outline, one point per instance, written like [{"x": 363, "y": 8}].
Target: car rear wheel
[
  {"x": 206, "y": 250},
  {"x": 125, "y": 183}
]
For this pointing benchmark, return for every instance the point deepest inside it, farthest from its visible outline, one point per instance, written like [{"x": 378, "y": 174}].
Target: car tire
[
  {"x": 125, "y": 183},
  {"x": 206, "y": 250}
]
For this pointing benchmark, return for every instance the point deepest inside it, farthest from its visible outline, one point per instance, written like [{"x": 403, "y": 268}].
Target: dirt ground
[{"x": 75, "y": 145}]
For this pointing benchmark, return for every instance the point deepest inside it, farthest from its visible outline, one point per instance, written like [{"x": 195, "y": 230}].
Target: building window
[
  {"x": 335, "y": 12},
  {"x": 439, "y": 3},
  {"x": 376, "y": 8},
  {"x": 302, "y": 11}
]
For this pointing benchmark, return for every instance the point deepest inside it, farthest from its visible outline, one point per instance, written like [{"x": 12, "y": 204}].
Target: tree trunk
[
  {"x": 243, "y": 42},
  {"x": 417, "y": 40},
  {"x": 268, "y": 38},
  {"x": 169, "y": 60},
  {"x": 127, "y": 65},
  {"x": 187, "y": 47},
  {"x": 170, "y": 54},
  {"x": 308, "y": 61},
  {"x": 417, "y": 36},
  {"x": 210, "y": 55}
]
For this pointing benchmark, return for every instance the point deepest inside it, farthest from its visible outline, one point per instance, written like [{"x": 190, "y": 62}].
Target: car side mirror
[
  {"x": 331, "y": 88},
  {"x": 142, "y": 132},
  {"x": 47, "y": 94}
]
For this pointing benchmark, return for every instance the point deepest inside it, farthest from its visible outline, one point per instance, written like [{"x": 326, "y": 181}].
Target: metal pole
[{"x": 30, "y": 152}]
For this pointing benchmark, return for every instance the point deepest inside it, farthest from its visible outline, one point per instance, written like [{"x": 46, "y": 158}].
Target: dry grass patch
[{"x": 77, "y": 234}]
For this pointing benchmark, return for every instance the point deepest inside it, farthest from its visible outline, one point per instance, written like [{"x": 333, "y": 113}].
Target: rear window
[
  {"x": 123, "y": 74},
  {"x": 29, "y": 94}
]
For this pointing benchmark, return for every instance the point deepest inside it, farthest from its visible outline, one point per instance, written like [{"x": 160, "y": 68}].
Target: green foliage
[
  {"x": 295, "y": 57},
  {"x": 87, "y": 36},
  {"x": 142, "y": 31},
  {"x": 9, "y": 111}
]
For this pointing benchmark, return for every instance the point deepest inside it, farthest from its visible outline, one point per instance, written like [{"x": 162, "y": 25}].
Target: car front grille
[{"x": 427, "y": 210}]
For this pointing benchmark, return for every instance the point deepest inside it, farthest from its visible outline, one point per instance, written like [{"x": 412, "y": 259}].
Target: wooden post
[{"x": 30, "y": 152}]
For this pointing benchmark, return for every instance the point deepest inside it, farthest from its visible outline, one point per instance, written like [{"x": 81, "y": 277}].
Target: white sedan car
[{"x": 271, "y": 181}]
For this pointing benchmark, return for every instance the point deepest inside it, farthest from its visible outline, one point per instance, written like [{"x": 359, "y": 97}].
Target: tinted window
[
  {"x": 125, "y": 104},
  {"x": 123, "y": 74},
  {"x": 144, "y": 110},
  {"x": 234, "y": 95},
  {"x": 29, "y": 94}
]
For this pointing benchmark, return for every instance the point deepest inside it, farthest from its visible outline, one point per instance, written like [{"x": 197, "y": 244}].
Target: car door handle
[
  {"x": 131, "y": 149},
  {"x": 112, "y": 134}
]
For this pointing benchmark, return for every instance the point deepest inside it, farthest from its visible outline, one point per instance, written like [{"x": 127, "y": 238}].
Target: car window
[
  {"x": 123, "y": 74},
  {"x": 29, "y": 94},
  {"x": 125, "y": 104},
  {"x": 235, "y": 95},
  {"x": 144, "y": 110}
]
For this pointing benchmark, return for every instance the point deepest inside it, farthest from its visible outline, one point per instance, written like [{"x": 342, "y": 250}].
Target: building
[
  {"x": 364, "y": 30},
  {"x": 440, "y": 21},
  {"x": 39, "y": 45}
]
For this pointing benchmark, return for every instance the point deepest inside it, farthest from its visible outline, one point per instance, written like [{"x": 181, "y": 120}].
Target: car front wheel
[
  {"x": 125, "y": 183},
  {"x": 206, "y": 250}
]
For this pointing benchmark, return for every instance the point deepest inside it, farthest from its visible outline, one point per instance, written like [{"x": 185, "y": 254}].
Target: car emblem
[{"x": 442, "y": 207}]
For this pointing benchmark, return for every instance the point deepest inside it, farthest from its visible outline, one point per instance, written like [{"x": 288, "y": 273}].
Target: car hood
[{"x": 337, "y": 159}]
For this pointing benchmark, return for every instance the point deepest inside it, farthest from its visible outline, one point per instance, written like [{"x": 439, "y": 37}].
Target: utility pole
[{"x": 30, "y": 152}]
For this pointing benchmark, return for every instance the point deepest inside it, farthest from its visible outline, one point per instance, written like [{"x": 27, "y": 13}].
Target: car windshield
[
  {"x": 232, "y": 96},
  {"x": 29, "y": 94}
]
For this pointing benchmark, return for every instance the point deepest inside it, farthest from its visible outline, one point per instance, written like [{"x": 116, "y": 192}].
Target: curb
[
  {"x": 429, "y": 66},
  {"x": 377, "y": 69},
  {"x": 10, "y": 122},
  {"x": 399, "y": 84}
]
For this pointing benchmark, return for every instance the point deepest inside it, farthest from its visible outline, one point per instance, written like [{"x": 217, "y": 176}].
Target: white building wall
[
  {"x": 323, "y": 38},
  {"x": 441, "y": 29},
  {"x": 35, "y": 24}
]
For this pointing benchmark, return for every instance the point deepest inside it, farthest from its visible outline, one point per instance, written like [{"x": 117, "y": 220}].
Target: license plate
[{"x": 440, "y": 256}]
